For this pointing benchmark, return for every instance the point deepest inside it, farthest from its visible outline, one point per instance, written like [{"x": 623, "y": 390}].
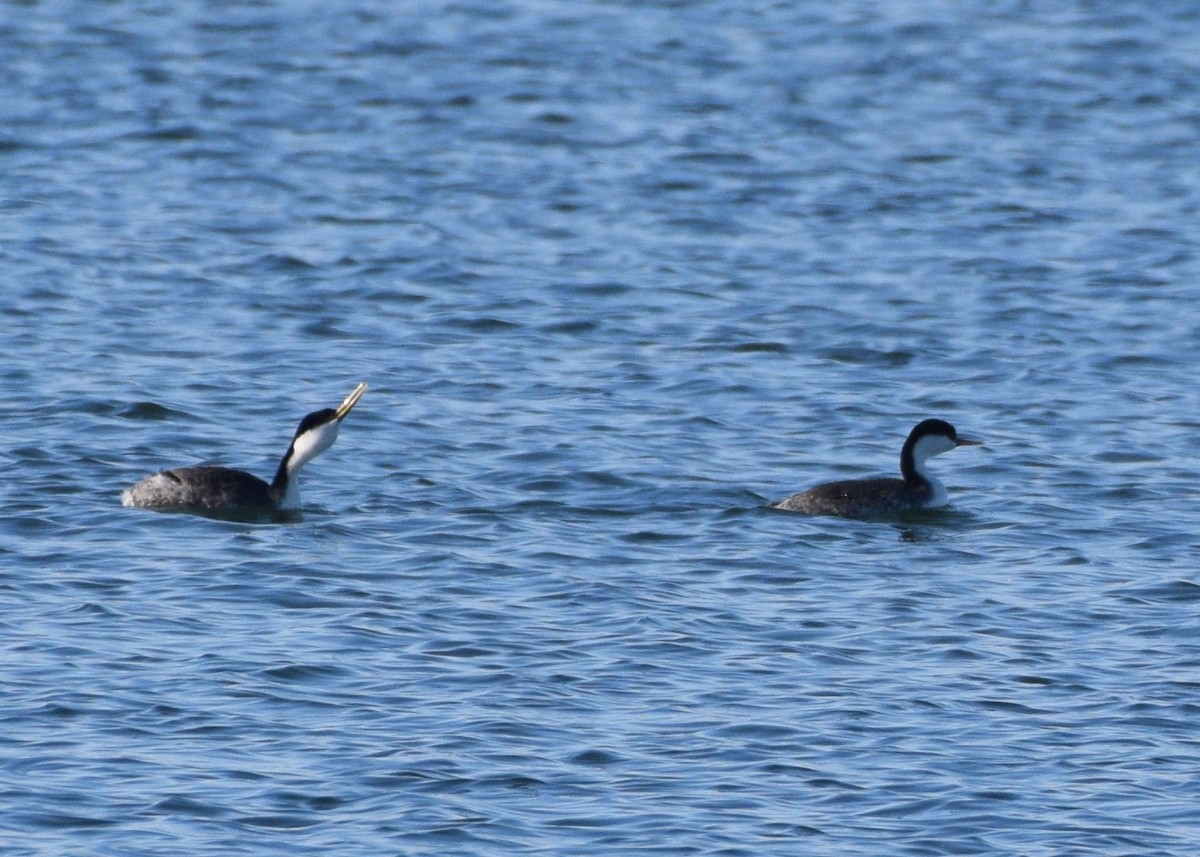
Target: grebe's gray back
[
  {"x": 221, "y": 488},
  {"x": 861, "y": 498}
]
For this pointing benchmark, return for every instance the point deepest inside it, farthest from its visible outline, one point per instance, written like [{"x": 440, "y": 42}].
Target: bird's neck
[
  {"x": 285, "y": 487},
  {"x": 913, "y": 470}
]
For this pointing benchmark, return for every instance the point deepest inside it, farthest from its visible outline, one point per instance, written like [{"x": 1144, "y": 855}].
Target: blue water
[{"x": 619, "y": 274}]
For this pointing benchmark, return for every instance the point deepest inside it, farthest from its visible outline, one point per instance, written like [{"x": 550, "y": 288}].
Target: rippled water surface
[{"x": 619, "y": 274}]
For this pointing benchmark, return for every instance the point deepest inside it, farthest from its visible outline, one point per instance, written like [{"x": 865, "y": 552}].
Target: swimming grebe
[
  {"x": 221, "y": 488},
  {"x": 861, "y": 498}
]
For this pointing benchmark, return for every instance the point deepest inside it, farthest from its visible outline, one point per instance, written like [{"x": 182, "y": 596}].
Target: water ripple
[{"x": 617, "y": 281}]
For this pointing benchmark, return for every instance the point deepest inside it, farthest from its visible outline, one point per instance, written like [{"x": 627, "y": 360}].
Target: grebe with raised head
[
  {"x": 862, "y": 498},
  {"x": 215, "y": 489}
]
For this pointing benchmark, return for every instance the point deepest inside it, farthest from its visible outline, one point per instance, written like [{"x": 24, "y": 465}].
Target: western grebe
[
  {"x": 221, "y": 488},
  {"x": 859, "y": 498}
]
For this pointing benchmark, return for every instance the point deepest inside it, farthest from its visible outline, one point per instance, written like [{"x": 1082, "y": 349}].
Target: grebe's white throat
[
  {"x": 220, "y": 488},
  {"x": 918, "y": 489}
]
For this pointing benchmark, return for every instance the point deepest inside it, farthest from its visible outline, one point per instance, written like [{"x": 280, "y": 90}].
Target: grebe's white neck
[
  {"x": 309, "y": 442},
  {"x": 926, "y": 447},
  {"x": 927, "y": 439}
]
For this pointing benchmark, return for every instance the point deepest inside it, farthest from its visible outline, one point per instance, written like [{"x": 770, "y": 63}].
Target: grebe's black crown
[
  {"x": 934, "y": 426},
  {"x": 316, "y": 418}
]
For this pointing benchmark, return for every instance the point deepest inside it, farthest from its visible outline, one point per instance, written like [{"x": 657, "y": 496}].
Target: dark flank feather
[
  {"x": 201, "y": 487},
  {"x": 856, "y": 498}
]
